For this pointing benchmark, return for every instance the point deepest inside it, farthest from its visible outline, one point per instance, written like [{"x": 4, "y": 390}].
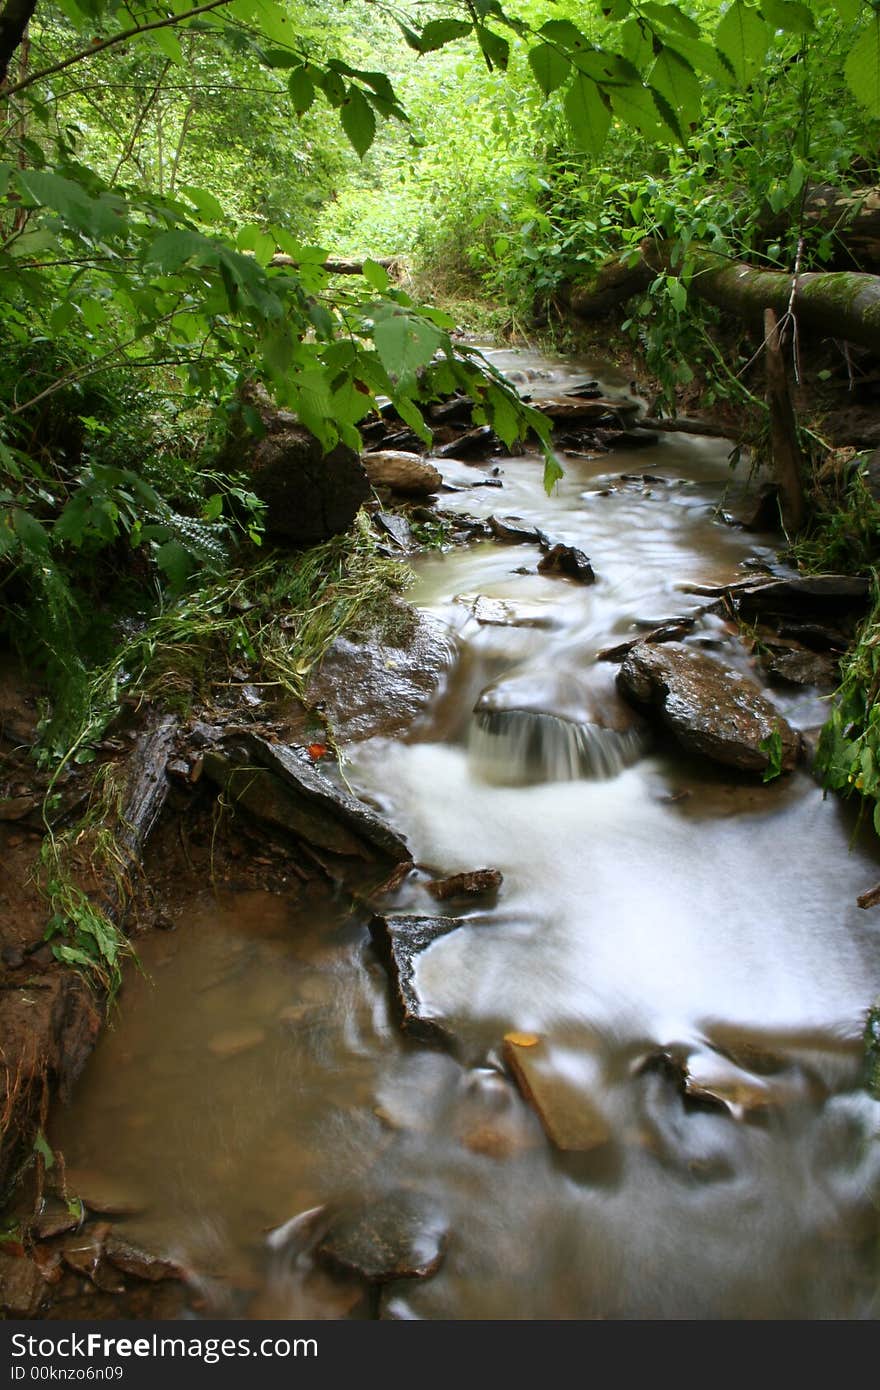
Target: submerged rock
[
  {"x": 572, "y": 1121},
  {"x": 399, "y": 1236},
  {"x": 402, "y": 472},
  {"x": 104, "y": 1194},
  {"x": 399, "y": 941},
  {"x": 710, "y": 709}
]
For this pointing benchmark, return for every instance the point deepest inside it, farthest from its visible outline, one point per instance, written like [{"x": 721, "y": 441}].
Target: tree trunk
[
  {"x": 14, "y": 19},
  {"x": 852, "y": 214},
  {"x": 787, "y": 457}
]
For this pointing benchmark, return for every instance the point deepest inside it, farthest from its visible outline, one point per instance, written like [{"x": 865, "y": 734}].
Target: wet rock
[
  {"x": 309, "y": 495},
  {"x": 397, "y": 527},
  {"x": 479, "y": 883},
  {"x": 819, "y": 637},
  {"x": 271, "y": 800},
  {"x": 398, "y": 1236},
  {"x": 142, "y": 1264},
  {"x": 497, "y": 612},
  {"x": 457, "y": 411},
  {"x": 572, "y": 1121},
  {"x": 480, "y": 442},
  {"x": 818, "y": 595},
  {"x": 626, "y": 439},
  {"x": 22, "y": 1286},
  {"x": 567, "y": 560},
  {"x": 515, "y": 531},
  {"x": 56, "y": 1219},
  {"x": 709, "y": 709},
  {"x": 236, "y": 1041},
  {"x": 399, "y": 941},
  {"x": 16, "y": 808},
  {"x": 381, "y": 682},
  {"x": 103, "y": 1193},
  {"x": 178, "y": 770},
  {"x": 401, "y": 472},
  {"x": 588, "y": 408},
  {"x": 669, "y": 630},
  {"x": 84, "y": 1251},
  {"x": 326, "y": 814},
  {"x": 796, "y": 665}
]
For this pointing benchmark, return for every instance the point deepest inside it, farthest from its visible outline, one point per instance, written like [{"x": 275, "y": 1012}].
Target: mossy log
[
  {"x": 841, "y": 304},
  {"x": 852, "y": 214}
]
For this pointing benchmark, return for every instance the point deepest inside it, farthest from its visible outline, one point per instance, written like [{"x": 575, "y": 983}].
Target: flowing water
[{"x": 649, "y": 905}]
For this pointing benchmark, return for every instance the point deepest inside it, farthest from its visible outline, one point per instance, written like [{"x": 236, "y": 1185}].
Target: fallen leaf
[
  {"x": 317, "y": 750},
  {"x": 522, "y": 1039}
]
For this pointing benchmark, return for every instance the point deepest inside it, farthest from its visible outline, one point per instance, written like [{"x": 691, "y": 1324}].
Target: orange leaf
[
  {"x": 522, "y": 1039},
  {"x": 317, "y": 750}
]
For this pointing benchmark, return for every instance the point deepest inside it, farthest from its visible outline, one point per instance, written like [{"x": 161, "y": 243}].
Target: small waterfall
[{"x": 517, "y": 747}]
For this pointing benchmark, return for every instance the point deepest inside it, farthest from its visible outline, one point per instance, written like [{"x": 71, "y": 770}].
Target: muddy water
[{"x": 254, "y": 1071}]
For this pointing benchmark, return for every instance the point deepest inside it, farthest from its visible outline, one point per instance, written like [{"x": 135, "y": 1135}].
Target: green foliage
[
  {"x": 772, "y": 746},
  {"x": 848, "y": 754},
  {"x": 872, "y": 1051}
]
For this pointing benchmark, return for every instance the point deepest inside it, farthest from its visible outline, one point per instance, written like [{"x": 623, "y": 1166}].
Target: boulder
[
  {"x": 709, "y": 709},
  {"x": 309, "y": 495},
  {"x": 400, "y": 472},
  {"x": 479, "y": 883},
  {"x": 567, "y": 560}
]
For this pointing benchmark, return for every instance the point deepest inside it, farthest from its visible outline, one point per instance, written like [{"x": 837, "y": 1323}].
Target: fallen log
[
  {"x": 836, "y": 303},
  {"x": 339, "y": 266}
]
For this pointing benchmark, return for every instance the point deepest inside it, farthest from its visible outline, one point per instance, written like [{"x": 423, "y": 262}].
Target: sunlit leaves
[
  {"x": 678, "y": 83},
  {"x": 94, "y": 217},
  {"x": 743, "y": 37},
  {"x": 438, "y": 32},
  {"x": 862, "y": 68},
  {"x": 358, "y": 121},
  {"x": 404, "y": 343},
  {"x": 550, "y": 67},
  {"x": 789, "y": 15},
  {"x": 301, "y": 85},
  {"x": 587, "y": 114}
]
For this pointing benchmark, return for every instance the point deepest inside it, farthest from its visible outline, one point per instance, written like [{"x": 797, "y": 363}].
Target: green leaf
[
  {"x": 496, "y": 50},
  {"x": 358, "y": 121},
  {"x": 412, "y": 416},
  {"x": 789, "y": 15},
  {"x": 167, "y": 42},
  {"x": 678, "y": 83},
  {"x": 849, "y": 10},
  {"x": 438, "y": 32},
  {"x": 30, "y": 532},
  {"x": 550, "y": 67},
  {"x": 375, "y": 275},
  {"x": 44, "y": 1149},
  {"x": 862, "y": 67},
  {"x": 173, "y": 249},
  {"x": 333, "y": 87},
  {"x": 553, "y": 472},
  {"x": 96, "y": 217},
  {"x": 637, "y": 107},
  {"x": 301, "y": 88},
  {"x": 587, "y": 114},
  {"x": 175, "y": 563},
  {"x": 209, "y": 208},
  {"x": 703, "y": 57},
  {"x": 742, "y": 36},
  {"x": 404, "y": 343},
  {"x": 562, "y": 31},
  {"x": 254, "y": 239},
  {"x": 676, "y": 293},
  {"x": 670, "y": 17}
]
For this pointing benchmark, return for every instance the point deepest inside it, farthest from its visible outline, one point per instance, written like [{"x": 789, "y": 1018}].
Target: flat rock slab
[
  {"x": 333, "y": 813},
  {"x": 821, "y": 594},
  {"x": 402, "y": 472},
  {"x": 710, "y": 709},
  {"x": 399, "y": 941},
  {"x": 381, "y": 682},
  {"x": 142, "y": 1264},
  {"x": 398, "y": 1236},
  {"x": 572, "y": 1121},
  {"x": 104, "y": 1194}
]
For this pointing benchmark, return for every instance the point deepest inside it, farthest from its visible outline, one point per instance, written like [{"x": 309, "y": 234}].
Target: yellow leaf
[{"x": 522, "y": 1039}]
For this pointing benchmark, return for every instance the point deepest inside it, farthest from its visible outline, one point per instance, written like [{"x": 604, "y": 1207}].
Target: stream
[{"x": 651, "y": 907}]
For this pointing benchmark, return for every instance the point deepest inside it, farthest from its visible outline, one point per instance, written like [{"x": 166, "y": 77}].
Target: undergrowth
[{"x": 270, "y": 623}]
